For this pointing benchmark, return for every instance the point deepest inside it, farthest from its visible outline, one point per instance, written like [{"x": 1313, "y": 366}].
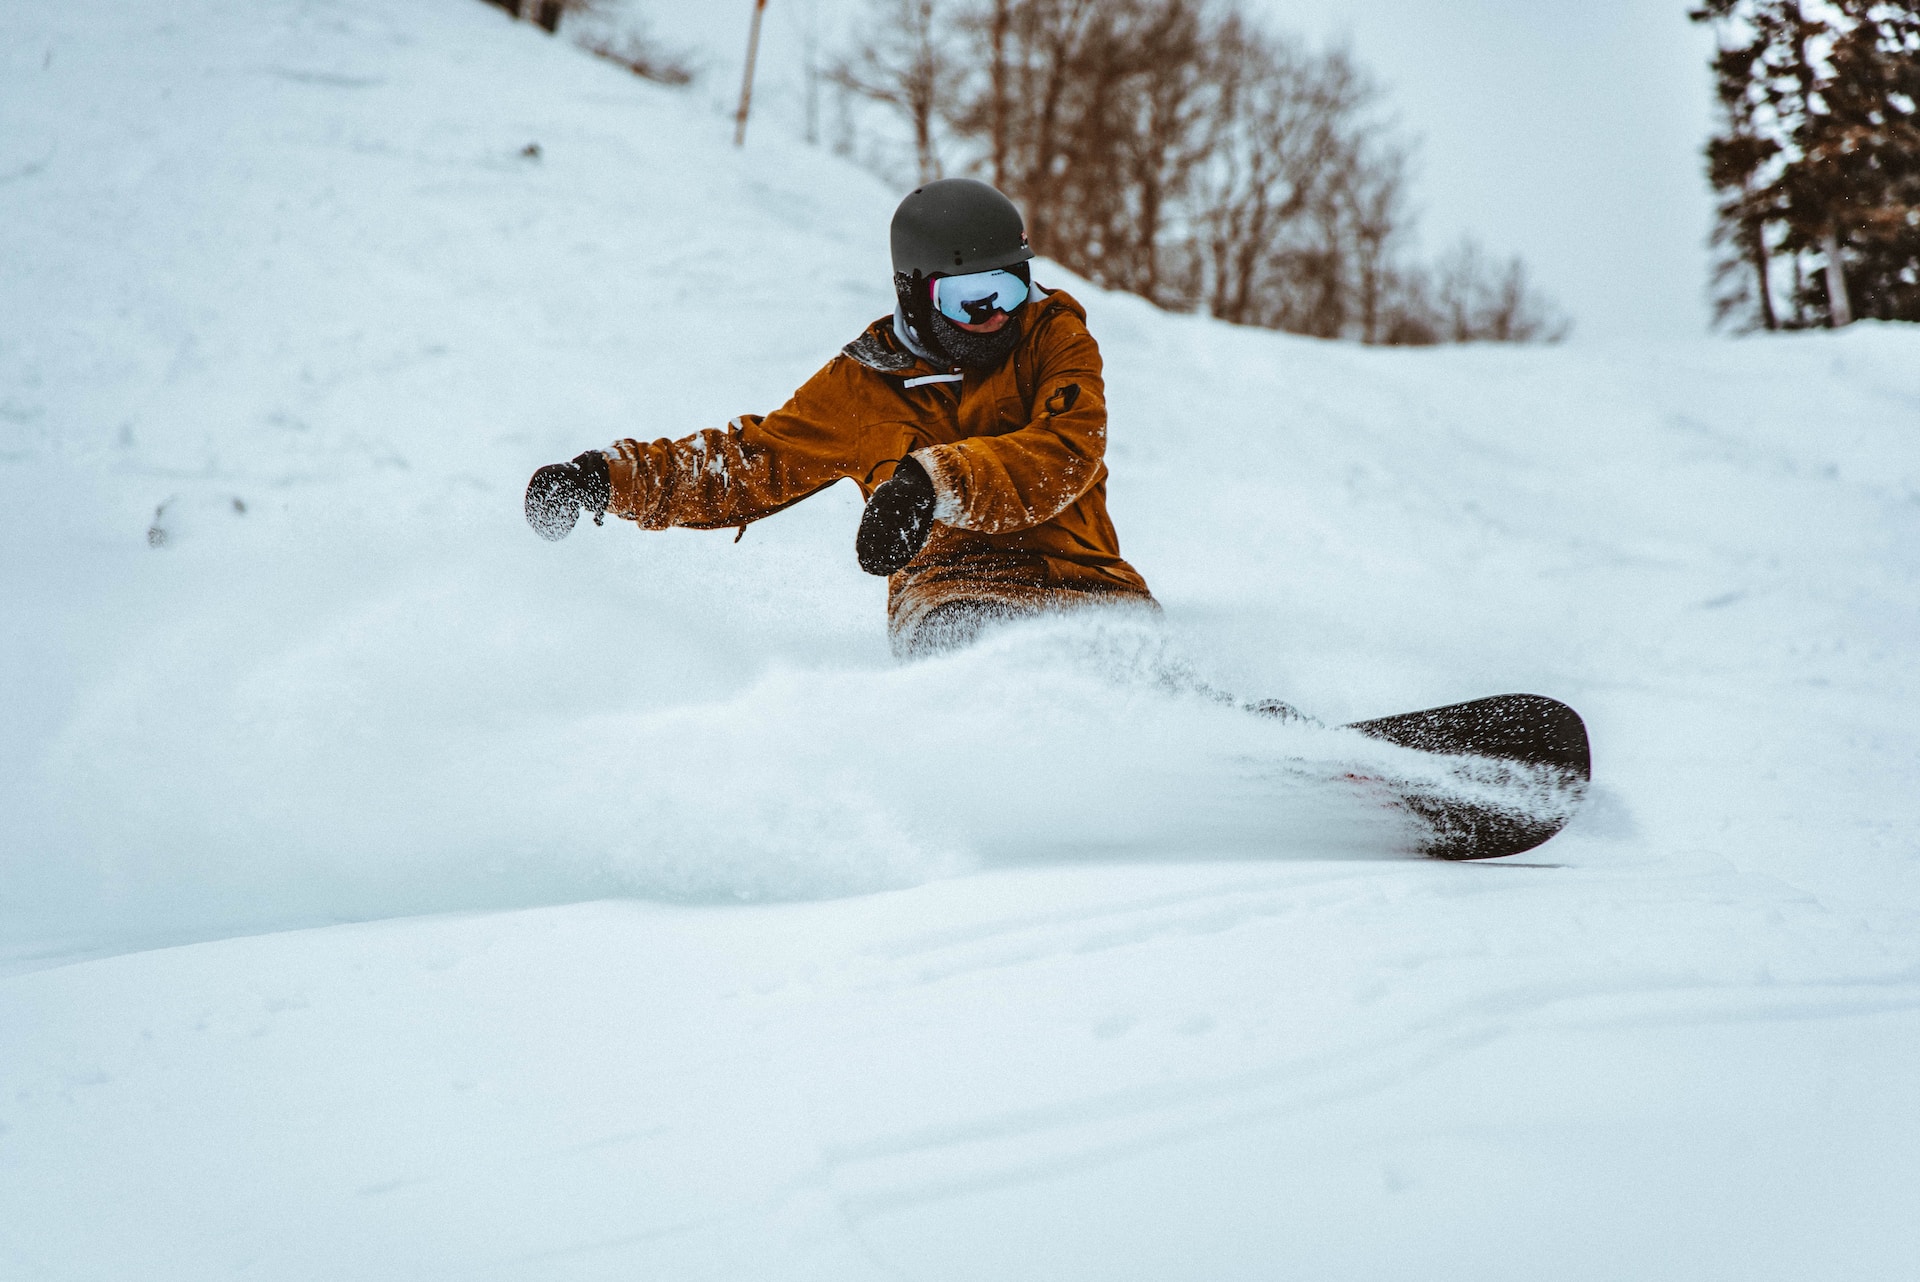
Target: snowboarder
[
  {"x": 981, "y": 399},
  {"x": 980, "y": 403}
]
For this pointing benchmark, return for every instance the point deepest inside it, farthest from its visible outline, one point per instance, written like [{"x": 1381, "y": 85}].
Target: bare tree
[
  {"x": 1478, "y": 300},
  {"x": 1160, "y": 146},
  {"x": 1282, "y": 132},
  {"x": 1373, "y": 206},
  {"x": 903, "y": 64},
  {"x": 1044, "y": 51},
  {"x": 1176, "y": 149},
  {"x": 625, "y": 41}
]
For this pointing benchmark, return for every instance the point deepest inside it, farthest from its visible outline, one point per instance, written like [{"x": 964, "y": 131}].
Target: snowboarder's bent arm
[
  {"x": 998, "y": 484},
  {"x": 753, "y": 468}
]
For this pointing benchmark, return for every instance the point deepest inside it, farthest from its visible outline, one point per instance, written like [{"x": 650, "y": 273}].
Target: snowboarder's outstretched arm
[{"x": 757, "y": 464}]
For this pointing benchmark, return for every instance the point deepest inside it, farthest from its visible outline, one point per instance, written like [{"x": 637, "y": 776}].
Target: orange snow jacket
[{"x": 1016, "y": 456}]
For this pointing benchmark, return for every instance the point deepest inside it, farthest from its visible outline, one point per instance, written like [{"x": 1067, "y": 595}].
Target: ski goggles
[{"x": 977, "y": 295}]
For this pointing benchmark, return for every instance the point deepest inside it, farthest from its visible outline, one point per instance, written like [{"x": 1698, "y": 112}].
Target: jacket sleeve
[
  {"x": 753, "y": 468},
  {"x": 998, "y": 484}
]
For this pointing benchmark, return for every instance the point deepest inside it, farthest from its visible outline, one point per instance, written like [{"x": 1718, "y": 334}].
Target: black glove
[
  {"x": 558, "y": 491},
  {"x": 894, "y": 527}
]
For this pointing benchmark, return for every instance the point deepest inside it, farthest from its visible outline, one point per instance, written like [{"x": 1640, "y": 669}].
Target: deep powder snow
[{"x": 697, "y": 938}]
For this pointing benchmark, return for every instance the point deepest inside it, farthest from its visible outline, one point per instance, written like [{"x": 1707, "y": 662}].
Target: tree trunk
[
  {"x": 1757, "y": 250},
  {"x": 548, "y": 15},
  {"x": 1839, "y": 307}
]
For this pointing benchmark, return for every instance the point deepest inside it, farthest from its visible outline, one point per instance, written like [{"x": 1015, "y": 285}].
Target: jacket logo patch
[{"x": 1063, "y": 399}]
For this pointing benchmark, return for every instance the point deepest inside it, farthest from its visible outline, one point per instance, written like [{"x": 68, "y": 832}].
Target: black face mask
[{"x": 971, "y": 351}]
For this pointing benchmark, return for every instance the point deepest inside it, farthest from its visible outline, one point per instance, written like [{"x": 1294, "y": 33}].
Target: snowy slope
[{"x": 694, "y": 938}]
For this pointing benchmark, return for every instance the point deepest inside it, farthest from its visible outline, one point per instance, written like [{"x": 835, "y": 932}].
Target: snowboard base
[{"x": 1530, "y": 764}]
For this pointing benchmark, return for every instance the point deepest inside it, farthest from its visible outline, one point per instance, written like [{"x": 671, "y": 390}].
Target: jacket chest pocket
[{"x": 993, "y": 415}]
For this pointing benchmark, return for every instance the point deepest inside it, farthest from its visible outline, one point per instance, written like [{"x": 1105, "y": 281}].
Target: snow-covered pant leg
[
  {"x": 958, "y": 621},
  {"x": 952, "y": 625}
]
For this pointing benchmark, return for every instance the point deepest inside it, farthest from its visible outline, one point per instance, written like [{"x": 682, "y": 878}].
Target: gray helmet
[{"x": 957, "y": 225}]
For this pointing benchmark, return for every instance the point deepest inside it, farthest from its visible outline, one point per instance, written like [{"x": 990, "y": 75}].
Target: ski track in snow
[{"x": 386, "y": 893}]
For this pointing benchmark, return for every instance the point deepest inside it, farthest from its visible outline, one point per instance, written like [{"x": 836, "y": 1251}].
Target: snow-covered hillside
[{"x": 385, "y": 893}]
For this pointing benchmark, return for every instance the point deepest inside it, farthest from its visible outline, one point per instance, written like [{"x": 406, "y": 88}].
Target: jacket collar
[{"x": 903, "y": 331}]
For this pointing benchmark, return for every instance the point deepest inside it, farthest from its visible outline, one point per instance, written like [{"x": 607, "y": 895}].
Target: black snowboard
[{"x": 1530, "y": 770}]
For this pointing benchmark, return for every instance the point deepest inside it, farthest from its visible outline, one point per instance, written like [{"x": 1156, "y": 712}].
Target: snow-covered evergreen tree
[{"x": 1818, "y": 160}]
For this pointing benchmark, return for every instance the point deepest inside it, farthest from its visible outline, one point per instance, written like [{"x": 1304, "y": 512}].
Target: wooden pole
[{"x": 746, "y": 81}]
